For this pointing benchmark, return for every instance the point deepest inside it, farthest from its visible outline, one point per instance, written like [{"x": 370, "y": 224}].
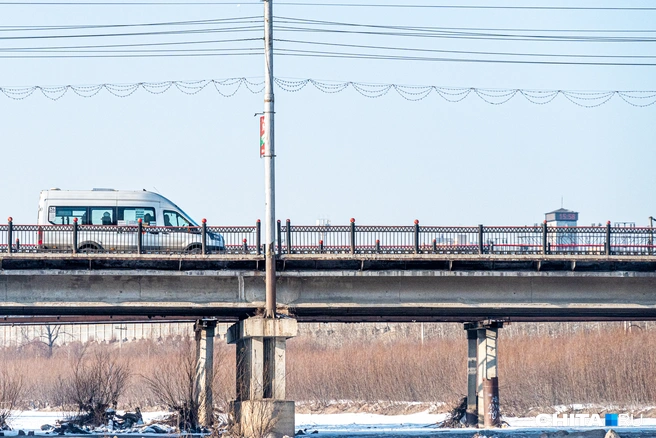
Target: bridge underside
[{"x": 339, "y": 295}]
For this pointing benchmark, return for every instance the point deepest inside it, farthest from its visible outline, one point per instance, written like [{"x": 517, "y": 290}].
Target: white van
[{"x": 108, "y": 220}]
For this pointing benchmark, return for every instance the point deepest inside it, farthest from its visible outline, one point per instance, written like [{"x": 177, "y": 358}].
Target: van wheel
[
  {"x": 194, "y": 249},
  {"x": 89, "y": 248}
]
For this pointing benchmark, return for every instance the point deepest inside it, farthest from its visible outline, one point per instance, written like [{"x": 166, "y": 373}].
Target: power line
[
  {"x": 414, "y": 49},
  {"x": 442, "y": 28},
  {"x": 110, "y": 46},
  {"x": 340, "y": 5},
  {"x": 97, "y": 48},
  {"x": 146, "y": 52},
  {"x": 241, "y": 20},
  {"x": 420, "y": 6},
  {"x": 154, "y": 54},
  {"x": 413, "y": 93},
  {"x": 347, "y": 55},
  {"x": 108, "y": 35},
  {"x": 474, "y": 35},
  {"x": 241, "y": 51}
]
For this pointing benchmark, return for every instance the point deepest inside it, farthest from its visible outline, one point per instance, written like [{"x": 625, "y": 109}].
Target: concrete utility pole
[{"x": 269, "y": 163}]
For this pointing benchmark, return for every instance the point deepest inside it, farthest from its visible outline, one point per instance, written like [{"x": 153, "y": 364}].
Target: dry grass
[
  {"x": 605, "y": 366},
  {"x": 374, "y": 371},
  {"x": 612, "y": 367}
]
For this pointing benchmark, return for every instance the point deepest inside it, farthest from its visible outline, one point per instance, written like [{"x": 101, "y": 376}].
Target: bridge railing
[
  {"x": 328, "y": 239},
  {"x": 417, "y": 239},
  {"x": 129, "y": 239}
]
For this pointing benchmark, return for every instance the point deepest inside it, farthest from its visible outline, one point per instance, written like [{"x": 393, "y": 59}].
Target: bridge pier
[
  {"x": 260, "y": 408},
  {"x": 204, "y": 330},
  {"x": 482, "y": 376}
]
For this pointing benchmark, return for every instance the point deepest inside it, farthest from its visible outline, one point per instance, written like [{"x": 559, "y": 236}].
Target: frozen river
[{"x": 373, "y": 426}]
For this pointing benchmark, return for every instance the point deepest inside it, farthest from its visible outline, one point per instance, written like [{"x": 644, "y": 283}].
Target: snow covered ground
[
  {"x": 368, "y": 425},
  {"x": 33, "y": 420},
  {"x": 423, "y": 425}
]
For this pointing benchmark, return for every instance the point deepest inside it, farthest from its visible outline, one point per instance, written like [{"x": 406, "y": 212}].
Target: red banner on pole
[{"x": 262, "y": 141}]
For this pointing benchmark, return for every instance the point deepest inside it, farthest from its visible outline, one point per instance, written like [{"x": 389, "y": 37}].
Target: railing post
[
  {"x": 139, "y": 236},
  {"x": 545, "y": 249},
  {"x": 416, "y": 236},
  {"x": 480, "y": 239},
  {"x": 651, "y": 235},
  {"x": 352, "y": 236},
  {"x": 10, "y": 232},
  {"x": 75, "y": 235},
  {"x": 279, "y": 238},
  {"x": 203, "y": 236},
  {"x": 289, "y": 236},
  {"x": 258, "y": 236},
  {"x": 608, "y": 238}
]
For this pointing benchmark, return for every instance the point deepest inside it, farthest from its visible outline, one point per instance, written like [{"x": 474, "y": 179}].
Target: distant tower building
[
  {"x": 562, "y": 239},
  {"x": 561, "y": 218}
]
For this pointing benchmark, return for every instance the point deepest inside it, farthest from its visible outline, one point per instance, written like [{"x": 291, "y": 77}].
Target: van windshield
[
  {"x": 182, "y": 213},
  {"x": 175, "y": 219}
]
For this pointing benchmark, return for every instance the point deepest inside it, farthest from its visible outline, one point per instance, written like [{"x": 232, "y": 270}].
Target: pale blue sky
[{"x": 382, "y": 161}]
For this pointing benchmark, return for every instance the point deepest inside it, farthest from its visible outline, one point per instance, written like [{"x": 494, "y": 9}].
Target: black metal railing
[
  {"x": 328, "y": 239},
  {"x": 132, "y": 239}
]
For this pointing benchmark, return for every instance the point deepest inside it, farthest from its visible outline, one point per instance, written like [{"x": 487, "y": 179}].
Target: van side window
[
  {"x": 102, "y": 216},
  {"x": 174, "y": 219},
  {"x": 130, "y": 215},
  {"x": 65, "y": 216}
]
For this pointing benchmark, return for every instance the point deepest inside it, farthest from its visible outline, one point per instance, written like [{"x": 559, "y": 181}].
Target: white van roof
[{"x": 103, "y": 194}]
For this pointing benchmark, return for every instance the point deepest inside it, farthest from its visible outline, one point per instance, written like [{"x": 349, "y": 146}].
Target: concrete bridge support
[
  {"x": 260, "y": 408},
  {"x": 482, "y": 377},
  {"x": 204, "y": 330}
]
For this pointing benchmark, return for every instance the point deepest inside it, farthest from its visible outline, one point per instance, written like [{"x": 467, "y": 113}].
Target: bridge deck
[
  {"x": 286, "y": 262},
  {"x": 333, "y": 287}
]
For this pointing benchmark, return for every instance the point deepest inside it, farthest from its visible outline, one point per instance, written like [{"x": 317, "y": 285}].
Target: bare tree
[
  {"x": 11, "y": 387},
  {"x": 96, "y": 383},
  {"x": 172, "y": 383},
  {"x": 50, "y": 335}
]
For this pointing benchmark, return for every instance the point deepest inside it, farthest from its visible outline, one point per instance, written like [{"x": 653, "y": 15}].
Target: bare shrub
[
  {"x": 11, "y": 387},
  {"x": 172, "y": 383},
  {"x": 97, "y": 381}
]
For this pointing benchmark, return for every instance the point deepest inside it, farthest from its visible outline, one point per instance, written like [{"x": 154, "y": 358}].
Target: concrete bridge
[
  {"x": 483, "y": 285},
  {"x": 333, "y": 287}
]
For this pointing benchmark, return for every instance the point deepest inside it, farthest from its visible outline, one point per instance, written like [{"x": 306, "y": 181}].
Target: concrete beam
[{"x": 334, "y": 295}]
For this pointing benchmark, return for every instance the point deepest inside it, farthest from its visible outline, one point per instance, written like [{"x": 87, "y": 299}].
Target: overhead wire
[
  {"x": 131, "y": 34},
  {"x": 111, "y": 46},
  {"x": 471, "y": 35},
  {"x": 415, "y": 49},
  {"x": 350, "y": 55},
  {"x": 297, "y": 20},
  {"x": 340, "y": 5},
  {"x": 16, "y": 28}
]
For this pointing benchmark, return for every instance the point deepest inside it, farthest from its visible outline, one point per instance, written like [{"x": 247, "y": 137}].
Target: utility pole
[{"x": 269, "y": 163}]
